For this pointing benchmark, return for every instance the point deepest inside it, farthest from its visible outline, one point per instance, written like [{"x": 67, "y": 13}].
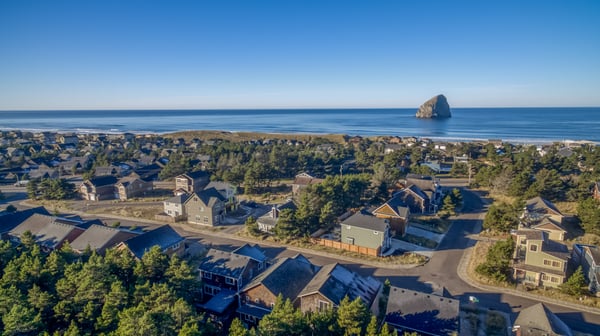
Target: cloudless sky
[{"x": 291, "y": 53}]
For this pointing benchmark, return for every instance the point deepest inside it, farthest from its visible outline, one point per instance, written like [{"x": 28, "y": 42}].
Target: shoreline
[{"x": 232, "y": 135}]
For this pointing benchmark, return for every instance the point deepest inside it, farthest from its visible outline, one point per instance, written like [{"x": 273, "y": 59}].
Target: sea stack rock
[{"x": 435, "y": 108}]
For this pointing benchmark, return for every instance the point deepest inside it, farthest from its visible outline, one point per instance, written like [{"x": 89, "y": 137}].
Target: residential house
[
  {"x": 174, "y": 207},
  {"x": 48, "y": 231},
  {"x": 191, "y": 182},
  {"x": 255, "y": 253},
  {"x": 538, "y": 320},
  {"x": 426, "y": 314},
  {"x": 541, "y": 214},
  {"x": 396, "y": 211},
  {"x": 303, "y": 180},
  {"x": 539, "y": 261},
  {"x": 44, "y": 173},
  {"x": 167, "y": 239},
  {"x": 221, "y": 270},
  {"x": 588, "y": 257},
  {"x": 67, "y": 139},
  {"x": 366, "y": 230},
  {"x": 131, "y": 186},
  {"x": 148, "y": 173},
  {"x": 287, "y": 277},
  {"x": 268, "y": 221},
  {"x": 332, "y": 283},
  {"x": 415, "y": 199},
  {"x": 206, "y": 207},
  {"x": 429, "y": 186},
  {"x": 98, "y": 188},
  {"x": 99, "y": 238}
]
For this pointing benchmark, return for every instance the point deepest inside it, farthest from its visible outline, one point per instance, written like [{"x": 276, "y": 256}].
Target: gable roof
[
  {"x": 223, "y": 263},
  {"x": 410, "y": 309},
  {"x": 100, "y": 181},
  {"x": 396, "y": 205},
  {"x": 334, "y": 282},
  {"x": 100, "y": 237},
  {"x": 538, "y": 320},
  {"x": 163, "y": 237},
  {"x": 540, "y": 205},
  {"x": 253, "y": 252},
  {"x": 179, "y": 199},
  {"x": 9, "y": 220},
  {"x": 47, "y": 231},
  {"x": 364, "y": 220},
  {"x": 288, "y": 276},
  {"x": 196, "y": 174},
  {"x": 208, "y": 196}
]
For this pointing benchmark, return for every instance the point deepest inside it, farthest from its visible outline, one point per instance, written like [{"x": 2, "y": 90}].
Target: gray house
[
  {"x": 206, "y": 207},
  {"x": 588, "y": 256},
  {"x": 366, "y": 230}
]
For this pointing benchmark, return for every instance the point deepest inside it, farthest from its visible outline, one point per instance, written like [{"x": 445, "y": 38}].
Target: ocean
[{"x": 519, "y": 125}]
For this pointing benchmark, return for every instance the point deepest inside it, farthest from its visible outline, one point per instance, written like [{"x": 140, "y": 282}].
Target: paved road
[{"x": 440, "y": 271}]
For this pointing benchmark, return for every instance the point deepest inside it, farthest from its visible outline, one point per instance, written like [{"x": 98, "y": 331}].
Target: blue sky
[{"x": 286, "y": 53}]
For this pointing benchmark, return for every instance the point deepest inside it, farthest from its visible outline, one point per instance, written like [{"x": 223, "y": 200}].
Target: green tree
[
  {"x": 283, "y": 320},
  {"x": 588, "y": 212},
  {"x": 372, "y": 327},
  {"x": 286, "y": 225},
  {"x": 252, "y": 226},
  {"x": 237, "y": 328},
  {"x": 497, "y": 261},
  {"x": 21, "y": 320},
  {"x": 501, "y": 217},
  {"x": 353, "y": 316},
  {"x": 153, "y": 265},
  {"x": 576, "y": 284}
]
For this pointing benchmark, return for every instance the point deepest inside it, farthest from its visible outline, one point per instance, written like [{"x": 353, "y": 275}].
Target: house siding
[
  {"x": 258, "y": 296},
  {"x": 362, "y": 237},
  {"x": 312, "y": 302}
]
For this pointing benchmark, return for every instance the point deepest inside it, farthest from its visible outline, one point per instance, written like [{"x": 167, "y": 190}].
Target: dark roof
[
  {"x": 253, "y": 311},
  {"x": 223, "y": 263},
  {"x": 9, "y": 220},
  {"x": 197, "y": 174},
  {"x": 220, "y": 302},
  {"x": 538, "y": 320},
  {"x": 531, "y": 234},
  {"x": 555, "y": 249},
  {"x": 594, "y": 252},
  {"x": 252, "y": 251},
  {"x": 364, "y": 220},
  {"x": 288, "y": 276},
  {"x": 397, "y": 205},
  {"x": 208, "y": 196},
  {"x": 164, "y": 237},
  {"x": 100, "y": 237},
  {"x": 421, "y": 312},
  {"x": 99, "y": 181}
]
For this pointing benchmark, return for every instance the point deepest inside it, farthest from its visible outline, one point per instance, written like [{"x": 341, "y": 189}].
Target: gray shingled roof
[
  {"x": 223, "y": 263},
  {"x": 363, "y": 220},
  {"x": 252, "y": 252},
  {"x": 163, "y": 237},
  {"x": 179, "y": 199},
  {"x": 422, "y": 312},
  {"x": 531, "y": 234},
  {"x": 538, "y": 320},
  {"x": 288, "y": 276},
  {"x": 208, "y": 196},
  {"x": 540, "y": 205},
  {"x": 46, "y": 230},
  {"x": 9, "y": 220},
  {"x": 100, "y": 237}
]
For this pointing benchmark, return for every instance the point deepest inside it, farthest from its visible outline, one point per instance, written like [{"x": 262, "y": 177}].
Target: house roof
[
  {"x": 47, "y": 231},
  {"x": 179, "y": 199},
  {"x": 425, "y": 313},
  {"x": 100, "y": 237},
  {"x": 594, "y": 252},
  {"x": 556, "y": 249},
  {"x": 223, "y": 263},
  {"x": 100, "y": 181},
  {"x": 397, "y": 205},
  {"x": 424, "y": 182},
  {"x": 219, "y": 185},
  {"x": 288, "y": 276},
  {"x": 9, "y": 220},
  {"x": 164, "y": 237},
  {"x": 540, "y": 205},
  {"x": 364, "y": 220},
  {"x": 548, "y": 224},
  {"x": 125, "y": 181},
  {"x": 531, "y": 234},
  {"x": 196, "y": 174},
  {"x": 252, "y": 251},
  {"x": 208, "y": 196},
  {"x": 334, "y": 282},
  {"x": 220, "y": 302},
  {"x": 538, "y": 320}
]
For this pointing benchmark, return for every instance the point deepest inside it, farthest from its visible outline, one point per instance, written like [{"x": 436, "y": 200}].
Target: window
[
  {"x": 547, "y": 262},
  {"x": 533, "y": 248},
  {"x": 555, "y": 264},
  {"x": 272, "y": 305},
  {"x": 545, "y": 277},
  {"x": 206, "y": 219},
  {"x": 229, "y": 281},
  {"x": 207, "y": 275},
  {"x": 350, "y": 240},
  {"x": 554, "y": 279},
  {"x": 323, "y": 305},
  {"x": 176, "y": 246},
  {"x": 523, "y": 241}
]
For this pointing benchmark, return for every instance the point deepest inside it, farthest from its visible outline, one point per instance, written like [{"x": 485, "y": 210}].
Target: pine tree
[
  {"x": 372, "y": 327},
  {"x": 353, "y": 316},
  {"x": 576, "y": 283},
  {"x": 237, "y": 328}
]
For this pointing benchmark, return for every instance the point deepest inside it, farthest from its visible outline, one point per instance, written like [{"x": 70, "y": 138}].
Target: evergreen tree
[
  {"x": 237, "y": 328},
  {"x": 353, "y": 316},
  {"x": 283, "y": 320},
  {"x": 576, "y": 284}
]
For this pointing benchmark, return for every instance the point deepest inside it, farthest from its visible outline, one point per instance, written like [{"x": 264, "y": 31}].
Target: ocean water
[{"x": 528, "y": 125}]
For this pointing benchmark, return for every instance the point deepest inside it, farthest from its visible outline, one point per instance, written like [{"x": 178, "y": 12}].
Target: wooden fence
[{"x": 347, "y": 247}]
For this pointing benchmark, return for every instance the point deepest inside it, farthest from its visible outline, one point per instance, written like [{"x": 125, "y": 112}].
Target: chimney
[{"x": 274, "y": 212}]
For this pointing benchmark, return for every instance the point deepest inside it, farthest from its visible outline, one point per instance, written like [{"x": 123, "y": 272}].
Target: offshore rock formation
[{"x": 436, "y": 107}]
